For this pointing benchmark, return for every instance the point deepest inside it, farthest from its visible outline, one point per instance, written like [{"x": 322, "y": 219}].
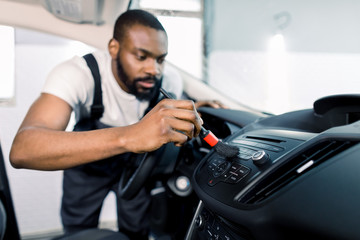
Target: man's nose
[{"x": 152, "y": 67}]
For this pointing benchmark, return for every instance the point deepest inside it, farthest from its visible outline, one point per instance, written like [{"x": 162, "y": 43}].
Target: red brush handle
[{"x": 208, "y": 137}]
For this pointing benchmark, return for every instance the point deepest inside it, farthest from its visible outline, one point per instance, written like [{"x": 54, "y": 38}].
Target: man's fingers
[
  {"x": 170, "y": 120},
  {"x": 210, "y": 103},
  {"x": 183, "y": 104},
  {"x": 184, "y": 127},
  {"x": 179, "y": 138},
  {"x": 185, "y": 114}
]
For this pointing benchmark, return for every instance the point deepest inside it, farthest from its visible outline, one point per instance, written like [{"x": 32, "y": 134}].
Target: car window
[{"x": 7, "y": 62}]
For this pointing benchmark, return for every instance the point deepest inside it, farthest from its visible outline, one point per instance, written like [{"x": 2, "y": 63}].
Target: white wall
[
  {"x": 321, "y": 51},
  {"x": 314, "y": 25},
  {"x": 36, "y": 194}
]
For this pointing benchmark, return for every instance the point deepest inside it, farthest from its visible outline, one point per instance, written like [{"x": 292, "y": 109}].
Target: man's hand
[
  {"x": 169, "y": 121},
  {"x": 209, "y": 103}
]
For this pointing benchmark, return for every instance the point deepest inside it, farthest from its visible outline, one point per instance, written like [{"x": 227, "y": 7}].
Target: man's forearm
[{"x": 45, "y": 149}]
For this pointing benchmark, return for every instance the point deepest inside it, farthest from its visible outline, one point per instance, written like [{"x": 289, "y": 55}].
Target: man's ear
[{"x": 113, "y": 47}]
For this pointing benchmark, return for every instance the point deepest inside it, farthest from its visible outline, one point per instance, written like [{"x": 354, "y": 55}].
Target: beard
[{"x": 145, "y": 95}]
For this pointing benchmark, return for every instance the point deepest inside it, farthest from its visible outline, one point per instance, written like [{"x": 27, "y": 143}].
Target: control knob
[{"x": 260, "y": 157}]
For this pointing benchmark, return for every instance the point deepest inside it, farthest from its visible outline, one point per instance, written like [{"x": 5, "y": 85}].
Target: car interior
[{"x": 296, "y": 172}]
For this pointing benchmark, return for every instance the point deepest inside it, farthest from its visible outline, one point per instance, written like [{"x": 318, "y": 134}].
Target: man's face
[
  {"x": 140, "y": 61},
  {"x": 136, "y": 86}
]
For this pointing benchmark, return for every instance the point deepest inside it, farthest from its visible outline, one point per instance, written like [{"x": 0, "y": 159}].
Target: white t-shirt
[{"x": 72, "y": 81}]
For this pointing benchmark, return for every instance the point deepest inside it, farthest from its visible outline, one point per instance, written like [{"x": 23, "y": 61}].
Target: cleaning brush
[{"x": 222, "y": 148}]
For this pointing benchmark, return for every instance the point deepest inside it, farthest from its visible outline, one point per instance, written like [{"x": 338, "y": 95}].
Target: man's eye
[
  {"x": 141, "y": 57},
  {"x": 160, "y": 60}
]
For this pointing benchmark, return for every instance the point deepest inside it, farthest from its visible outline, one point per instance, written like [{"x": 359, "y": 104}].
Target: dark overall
[{"x": 85, "y": 187}]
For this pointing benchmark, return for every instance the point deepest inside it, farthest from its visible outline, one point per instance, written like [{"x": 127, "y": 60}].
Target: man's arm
[{"x": 41, "y": 142}]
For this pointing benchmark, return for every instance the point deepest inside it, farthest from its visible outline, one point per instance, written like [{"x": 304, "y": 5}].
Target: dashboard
[{"x": 296, "y": 175}]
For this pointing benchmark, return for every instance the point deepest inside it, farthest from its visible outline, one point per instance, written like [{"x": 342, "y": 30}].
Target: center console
[{"x": 228, "y": 180}]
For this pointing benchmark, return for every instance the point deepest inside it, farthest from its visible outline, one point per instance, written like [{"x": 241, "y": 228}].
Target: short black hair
[{"x": 132, "y": 17}]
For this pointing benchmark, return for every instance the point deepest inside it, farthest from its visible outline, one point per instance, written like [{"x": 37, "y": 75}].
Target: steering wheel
[{"x": 131, "y": 181}]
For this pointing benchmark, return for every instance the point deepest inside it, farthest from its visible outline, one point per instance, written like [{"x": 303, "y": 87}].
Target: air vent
[{"x": 293, "y": 169}]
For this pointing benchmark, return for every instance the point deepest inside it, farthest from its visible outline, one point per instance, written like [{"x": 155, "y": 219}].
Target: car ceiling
[{"x": 36, "y": 15}]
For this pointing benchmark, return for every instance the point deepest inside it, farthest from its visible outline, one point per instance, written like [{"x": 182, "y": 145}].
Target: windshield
[{"x": 274, "y": 55}]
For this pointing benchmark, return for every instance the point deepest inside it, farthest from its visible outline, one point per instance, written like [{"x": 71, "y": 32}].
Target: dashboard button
[
  {"x": 221, "y": 168},
  {"x": 236, "y": 176},
  {"x": 244, "y": 171},
  {"x": 212, "y": 182}
]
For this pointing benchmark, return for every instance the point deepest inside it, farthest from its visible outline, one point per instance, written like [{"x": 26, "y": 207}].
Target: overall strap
[{"x": 97, "y": 108}]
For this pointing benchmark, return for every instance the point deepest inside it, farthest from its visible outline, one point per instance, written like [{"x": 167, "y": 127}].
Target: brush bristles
[{"x": 226, "y": 150}]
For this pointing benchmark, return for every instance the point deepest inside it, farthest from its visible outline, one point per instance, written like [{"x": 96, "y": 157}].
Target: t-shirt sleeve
[
  {"x": 69, "y": 81},
  {"x": 172, "y": 81}
]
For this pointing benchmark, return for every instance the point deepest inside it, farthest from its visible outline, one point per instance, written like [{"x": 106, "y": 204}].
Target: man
[{"x": 131, "y": 73}]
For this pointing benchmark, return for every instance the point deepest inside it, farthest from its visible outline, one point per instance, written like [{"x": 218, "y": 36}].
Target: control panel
[
  {"x": 253, "y": 156},
  {"x": 223, "y": 170},
  {"x": 223, "y": 178}
]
